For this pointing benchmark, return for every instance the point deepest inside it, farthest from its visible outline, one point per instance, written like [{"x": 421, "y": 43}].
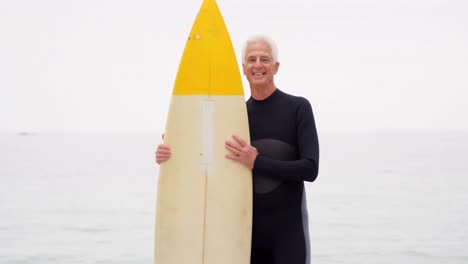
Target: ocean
[{"x": 90, "y": 198}]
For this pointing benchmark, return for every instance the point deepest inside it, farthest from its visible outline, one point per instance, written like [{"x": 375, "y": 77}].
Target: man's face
[{"x": 258, "y": 66}]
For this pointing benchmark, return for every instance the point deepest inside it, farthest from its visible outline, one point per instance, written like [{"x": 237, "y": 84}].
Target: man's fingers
[
  {"x": 233, "y": 149},
  {"x": 232, "y": 146},
  {"x": 163, "y": 149},
  {"x": 239, "y": 140},
  {"x": 163, "y": 146},
  {"x": 162, "y": 157},
  {"x": 163, "y": 152},
  {"x": 241, "y": 151}
]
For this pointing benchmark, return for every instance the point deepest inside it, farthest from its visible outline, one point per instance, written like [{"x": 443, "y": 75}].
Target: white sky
[{"x": 110, "y": 65}]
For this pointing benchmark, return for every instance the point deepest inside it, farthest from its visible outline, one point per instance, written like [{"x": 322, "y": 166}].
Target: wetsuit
[{"x": 282, "y": 128}]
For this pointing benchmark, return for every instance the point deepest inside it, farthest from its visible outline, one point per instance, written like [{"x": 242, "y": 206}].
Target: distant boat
[{"x": 23, "y": 134}]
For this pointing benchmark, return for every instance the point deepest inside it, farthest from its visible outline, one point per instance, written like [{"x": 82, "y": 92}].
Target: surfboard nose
[{"x": 208, "y": 64}]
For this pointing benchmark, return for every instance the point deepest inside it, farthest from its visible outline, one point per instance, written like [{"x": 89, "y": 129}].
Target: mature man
[{"x": 284, "y": 153}]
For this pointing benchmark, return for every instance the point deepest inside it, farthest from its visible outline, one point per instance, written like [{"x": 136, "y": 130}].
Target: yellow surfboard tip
[{"x": 208, "y": 65}]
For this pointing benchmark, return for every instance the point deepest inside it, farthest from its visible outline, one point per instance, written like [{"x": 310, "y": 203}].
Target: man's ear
[{"x": 277, "y": 64}]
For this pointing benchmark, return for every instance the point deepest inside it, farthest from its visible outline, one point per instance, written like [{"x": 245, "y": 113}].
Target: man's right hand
[{"x": 163, "y": 153}]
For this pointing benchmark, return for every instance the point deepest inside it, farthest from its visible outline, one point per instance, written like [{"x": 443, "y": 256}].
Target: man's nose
[{"x": 258, "y": 62}]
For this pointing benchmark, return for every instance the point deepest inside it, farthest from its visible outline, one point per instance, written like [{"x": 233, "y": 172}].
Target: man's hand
[
  {"x": 163, "y": 153},
  {"x": 241, "y": 152}
]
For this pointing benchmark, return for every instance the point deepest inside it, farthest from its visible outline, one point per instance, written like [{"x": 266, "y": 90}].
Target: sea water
[{"x": 90, "y": 198}]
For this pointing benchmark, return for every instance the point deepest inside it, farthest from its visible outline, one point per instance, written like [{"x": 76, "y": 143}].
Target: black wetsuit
[{"x": 282, "y": 128}]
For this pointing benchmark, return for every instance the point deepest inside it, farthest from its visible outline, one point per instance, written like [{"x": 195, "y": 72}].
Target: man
[{"x": 284, "y": 153}]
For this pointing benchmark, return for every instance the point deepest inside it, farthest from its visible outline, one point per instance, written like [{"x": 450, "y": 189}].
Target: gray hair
[{"x": 261, "y": 39}]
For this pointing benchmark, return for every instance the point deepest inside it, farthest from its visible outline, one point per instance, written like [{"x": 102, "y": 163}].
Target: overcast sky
[{"x": 110, "y": 65}]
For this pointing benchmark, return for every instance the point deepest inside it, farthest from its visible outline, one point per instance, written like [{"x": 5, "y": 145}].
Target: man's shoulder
[{"x": 298, "y": 100}]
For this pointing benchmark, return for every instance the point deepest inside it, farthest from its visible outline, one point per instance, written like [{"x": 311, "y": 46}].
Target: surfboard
[{"x": 204, "y": 201}]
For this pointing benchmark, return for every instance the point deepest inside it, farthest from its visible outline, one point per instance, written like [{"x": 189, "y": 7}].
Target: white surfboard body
[{"x": 204, "y": 201}]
